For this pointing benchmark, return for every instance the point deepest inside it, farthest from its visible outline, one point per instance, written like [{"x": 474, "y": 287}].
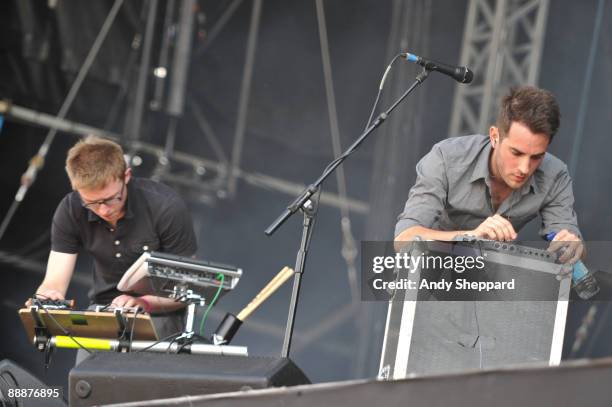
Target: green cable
[{"x": 219, "y": 277}]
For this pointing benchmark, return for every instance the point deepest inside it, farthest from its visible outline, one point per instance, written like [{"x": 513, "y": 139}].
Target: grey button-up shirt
[{"x": 453, "y": 191}]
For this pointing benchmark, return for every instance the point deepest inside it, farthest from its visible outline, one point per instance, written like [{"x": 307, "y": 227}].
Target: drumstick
[
  {"x": 267, "y": 291},
  {"x": 230, "y": 323}
]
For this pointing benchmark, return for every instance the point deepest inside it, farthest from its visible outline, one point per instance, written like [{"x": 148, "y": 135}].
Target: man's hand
[
  {"x": 127, "y": 301},
  {"x": 570, "y": 247},
  {"x": 46, "y": 294},
  {"x": 495, "y": 228}
]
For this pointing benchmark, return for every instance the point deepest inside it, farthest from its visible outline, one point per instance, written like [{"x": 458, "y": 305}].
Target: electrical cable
[
  {"x": 220, "y": 277},
  {"x": 171, "y": 336},
  {"x": 170, "y": 344},
  {"x": 105, "y": 306},
  {"x": 37, "y": 302},
  {"x": 380, "y": 88},
  {"x": 133, "y": 328}
]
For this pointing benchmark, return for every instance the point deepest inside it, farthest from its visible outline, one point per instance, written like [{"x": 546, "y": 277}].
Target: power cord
[
  {"x": 171, "y": 337},
  {"x": 220, "y": 277}
]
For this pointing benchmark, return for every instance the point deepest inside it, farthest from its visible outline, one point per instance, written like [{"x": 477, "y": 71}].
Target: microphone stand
[{"x": 307, "y": 202}]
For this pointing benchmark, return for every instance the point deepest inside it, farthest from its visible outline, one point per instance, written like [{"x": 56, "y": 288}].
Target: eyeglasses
[{"x": 108, "y": 201}]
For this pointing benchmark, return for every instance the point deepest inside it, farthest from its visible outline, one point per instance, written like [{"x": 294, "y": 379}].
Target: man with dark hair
[{"x": 490, "y": 187}]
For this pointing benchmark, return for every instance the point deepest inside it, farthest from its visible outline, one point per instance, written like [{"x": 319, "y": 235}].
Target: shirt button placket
[{"x": 117, "y": 243}]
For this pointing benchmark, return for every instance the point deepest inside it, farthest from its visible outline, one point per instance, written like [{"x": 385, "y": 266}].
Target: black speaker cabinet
[
  {"x": 14, "y": 377},
  {"x": 109, "y": 377}
]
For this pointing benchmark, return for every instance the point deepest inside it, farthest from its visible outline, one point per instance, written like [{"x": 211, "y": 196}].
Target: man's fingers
[
  {"x": 497, "y": 227},
  {"x": 120, "y": 301},
  {"x": 574, "y": 259},
  {"x": 49, "y": 295},
  {"x": 556, "y": 245},
  {"x": 567, "y": 254},
  {"x": 125, "y": 301},
  {"x": 487, "y": 231},
  {"x": 503, "y": 227},
  {"x": 574, "y": 253},
  {"x": 499, "y": 232},
  {"x": 579, "y": 251},
  {"x": 131, "y": 303},
  {"x": 490, "y": 232},
  {"x": 506, "y": 226},
  {"x": 568, "y": 246}
]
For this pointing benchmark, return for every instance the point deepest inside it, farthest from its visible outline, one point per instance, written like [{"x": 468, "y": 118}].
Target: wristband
[{"x": 146, "y": 305}]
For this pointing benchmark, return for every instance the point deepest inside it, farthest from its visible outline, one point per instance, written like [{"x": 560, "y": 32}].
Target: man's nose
[
  {"x": 524, "y": 166},
  {"x": 104, "y": 209}
]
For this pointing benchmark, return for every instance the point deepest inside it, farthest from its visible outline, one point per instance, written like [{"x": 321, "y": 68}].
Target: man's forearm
[
  {"x": 426, "y": 234},
  {"x": 60, "y": 267}
]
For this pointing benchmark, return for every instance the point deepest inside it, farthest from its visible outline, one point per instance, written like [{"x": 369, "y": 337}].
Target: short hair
[
  {"x": 533, "y": 107},
  {"x": 93, "y": 162}
]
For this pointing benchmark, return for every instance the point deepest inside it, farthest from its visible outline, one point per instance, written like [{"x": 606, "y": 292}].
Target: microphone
[{"x": 459, "y": 73}]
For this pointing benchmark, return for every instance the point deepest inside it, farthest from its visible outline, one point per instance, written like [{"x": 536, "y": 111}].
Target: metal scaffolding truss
[
  {"x": 502, "y": 43},
  {"x": 218, "y": 168},
  {"x": 211, "y": 178}
]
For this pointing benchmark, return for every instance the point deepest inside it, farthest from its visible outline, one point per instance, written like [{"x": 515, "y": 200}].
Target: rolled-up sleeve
[
  {"x": 427, "y": 198},
  {"x": 558, "y": 211}
]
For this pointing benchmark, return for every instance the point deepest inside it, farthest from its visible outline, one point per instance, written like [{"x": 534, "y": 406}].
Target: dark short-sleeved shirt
[
  {"x": 453, "y": 191},
  {"x": 156, "y": 219}
]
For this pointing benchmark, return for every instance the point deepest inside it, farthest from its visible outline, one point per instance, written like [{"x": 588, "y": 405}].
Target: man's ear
[
  {"x": 128, "y": 175},
  {"x": 493, "y": 136}
]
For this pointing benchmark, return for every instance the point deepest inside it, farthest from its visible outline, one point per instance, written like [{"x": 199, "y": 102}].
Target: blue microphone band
[{"x": 411, "y": 57}]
